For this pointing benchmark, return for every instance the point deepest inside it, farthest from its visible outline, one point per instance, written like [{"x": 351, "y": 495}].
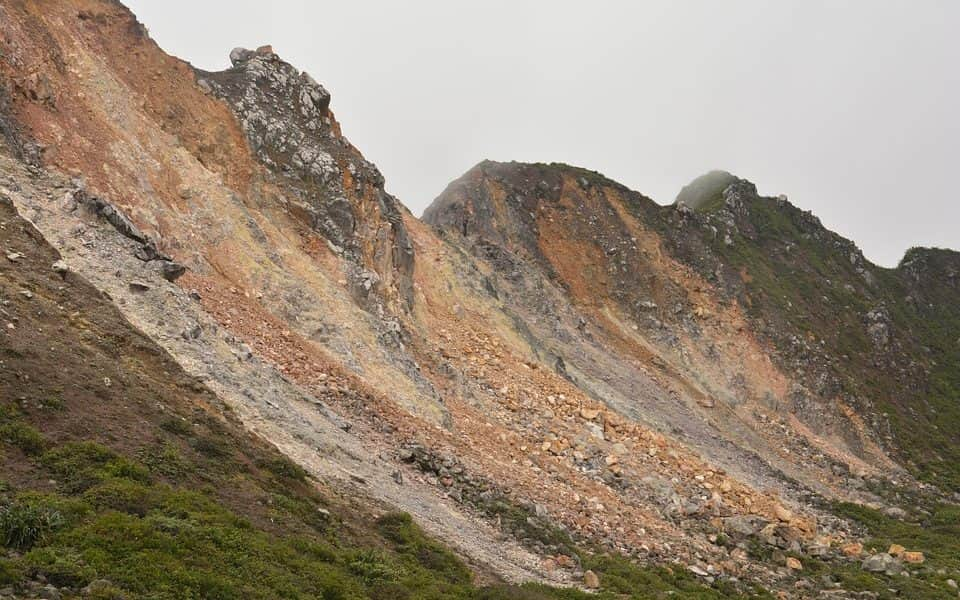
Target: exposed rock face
[
  {"x": 286, "y": 117},
  {"x": 569, "y": 246},
  {"x": 547, "y": 351}
]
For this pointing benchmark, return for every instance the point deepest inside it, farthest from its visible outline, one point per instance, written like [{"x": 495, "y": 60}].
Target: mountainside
[{"x": 548, "y": 381}]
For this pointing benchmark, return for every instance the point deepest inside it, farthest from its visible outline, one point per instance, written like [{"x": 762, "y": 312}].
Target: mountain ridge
[{"x": 553, "y": 374}]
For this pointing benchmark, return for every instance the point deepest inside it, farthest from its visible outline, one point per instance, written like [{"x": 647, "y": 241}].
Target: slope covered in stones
[
  {"x": 608, "y": 253},
  {"x": 879, "y": 344},
  {"x": 881, "y": 341},
  {"x": 807, "y": 363},
  {"x": 540, "y": 374},
  {"x": 125, "y": 477}
]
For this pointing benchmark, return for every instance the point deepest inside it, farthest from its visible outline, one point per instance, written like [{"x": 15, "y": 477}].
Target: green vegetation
[
  {"x": 22, "y": 524},
  {"x": 23, "y": 436},
  {"x": 126, "y": 524},
  {"x": 705, "y": 193},
  {"x": 937, "y": 536},
  {"x": 805, "y": 284},
  {"x": 623, "y": 579}
]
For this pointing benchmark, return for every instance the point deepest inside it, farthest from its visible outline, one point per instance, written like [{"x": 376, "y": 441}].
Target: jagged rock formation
[
  {"x": 547, "y": 361},
  {"x": 286, "y": 117}
]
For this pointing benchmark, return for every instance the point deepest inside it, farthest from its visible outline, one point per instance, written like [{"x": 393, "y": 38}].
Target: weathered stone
[
  {"x": 914, "y": 557},
  {"x": 171, "y": 271},
  {"x": 895, "y": 512},
  {"x": 852, "y": 550},
  {"x": 60, "y": 267},
  {"x": 794, "y": 564},
  {"x": 878, "y": 563},
  {"x": 589, "y": 413},
  {"x": 782, "y": 513},
  {"x": 240, "y": 55},
  {"x": 744, "y": 525},
  {"x": 591, "y": 580}
]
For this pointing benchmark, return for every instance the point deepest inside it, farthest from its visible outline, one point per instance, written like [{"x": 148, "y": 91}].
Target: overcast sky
[{"x": 851, "y": 109}]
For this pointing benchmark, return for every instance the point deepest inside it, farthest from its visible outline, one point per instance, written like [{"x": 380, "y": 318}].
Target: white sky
[{"x": 851, "y": 108}]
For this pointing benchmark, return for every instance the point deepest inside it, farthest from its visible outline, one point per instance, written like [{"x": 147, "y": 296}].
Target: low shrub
[{"x": 23, "y": 436}]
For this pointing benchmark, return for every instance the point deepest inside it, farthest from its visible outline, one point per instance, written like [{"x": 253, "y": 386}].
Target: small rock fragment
[
  {"x": 852, "y": 550},
  {"x": 591, "y": 580},
  {"x": 60, "y": 267},
  {"x": 782, "y": 513},
  {"x": 913, "y": 557},
  {"x": 589, "y": 413},
  {"x": 171, "y": 271},
  {"x": 878, "y": 563}
]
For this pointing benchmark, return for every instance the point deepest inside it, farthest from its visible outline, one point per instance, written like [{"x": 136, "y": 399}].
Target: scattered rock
[
  {"x": 171, "y": 271},
  {"x": 879, "y": 563},
  {"x": 49, "y": 592},
  {"x": 589, "y": 413},
  {"x": 783, "y": 513},
  {"x": 698, "y": 571},
  {"x": 591, "y": 580},
  {"x": 138, "y": 287},
  {"x": 794, "y": 564},
  {"x": 895, "y": 512},
  {"x": 14, "y": 256},
  {"x": 744, "y": 525},
  {"x": 60, "y": 267},
  {"x": 896, "y": 550},
  {"x": 914, "y": 557},
  {"x": 852, "y": 550},
  {"x": 112, "y": 215},
  {"x": 27, "y": 294}
]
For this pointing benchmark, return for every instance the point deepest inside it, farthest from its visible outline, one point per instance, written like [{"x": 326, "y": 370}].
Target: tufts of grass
[
  {"x": 24, "y": 437},
  {"x": 82, "y": 465},
  {"x": 413, "y": 546},
  {"x": 24, "y": 524},
  {"x": 177, "y": 426},
  {"x": 284, "y": 468}
]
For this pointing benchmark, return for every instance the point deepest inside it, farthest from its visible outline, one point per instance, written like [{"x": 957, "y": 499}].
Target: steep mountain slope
[
  {"x": 125, "y": 477},
  {"x": 552, "y": 374},
  {"x": 607, "y": 252},
  {"x": 882, "y": 341}
]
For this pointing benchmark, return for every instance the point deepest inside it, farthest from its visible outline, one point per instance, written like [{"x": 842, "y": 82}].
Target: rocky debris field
[{"x": 560, "y": 380}]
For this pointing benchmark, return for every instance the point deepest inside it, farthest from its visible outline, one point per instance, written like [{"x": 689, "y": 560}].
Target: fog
[{"x": 849, "y": 108}]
